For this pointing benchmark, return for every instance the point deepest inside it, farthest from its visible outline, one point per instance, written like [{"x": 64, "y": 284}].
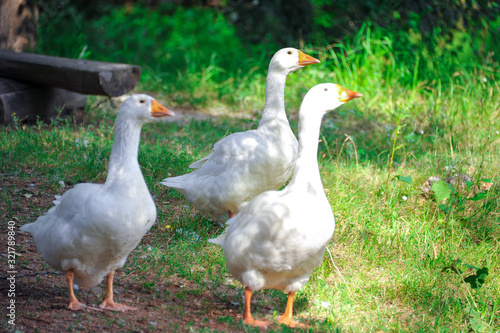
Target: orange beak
[
  {"x": 305, "y": 59},
  {"x": 345, "y": 95},
  {"x": 158, "y": 110}
]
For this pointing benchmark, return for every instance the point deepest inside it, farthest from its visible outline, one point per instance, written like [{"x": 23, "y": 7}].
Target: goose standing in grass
[
  {"x": 280, "y": 237},
  {"x": 244, "y": 164},
  {"x": 92, "y": 228}
]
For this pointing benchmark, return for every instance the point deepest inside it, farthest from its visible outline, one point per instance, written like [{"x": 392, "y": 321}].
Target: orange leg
[
  {"x": 286, "y": 318},
  {"x": 74, "y": 304},
  {"x": 230, "y": 214},
  {"x": 108, "y": 303},
  {"x": 247, "y": 315}
]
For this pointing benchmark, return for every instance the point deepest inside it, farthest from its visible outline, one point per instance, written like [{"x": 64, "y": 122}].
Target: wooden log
[
  {"x": 28, "y": 102},
  {"x": 78, "y": 75}
]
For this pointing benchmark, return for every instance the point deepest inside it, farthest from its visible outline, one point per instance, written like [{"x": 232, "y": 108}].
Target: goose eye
[
  {"x": 289, "y": 52},
  {"x": 142, "y": 101},
  {"x": 326, "y": 89}
]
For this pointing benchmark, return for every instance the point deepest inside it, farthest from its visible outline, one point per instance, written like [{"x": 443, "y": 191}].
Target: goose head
[
  {"x": 143, "y": 108},
  {"x": 325, "y": 97},
  {"x": 290, "y": 59}
]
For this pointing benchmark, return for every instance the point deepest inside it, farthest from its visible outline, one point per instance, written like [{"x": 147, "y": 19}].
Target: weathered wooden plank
[
  {"x": 29, "y": 101},
  {"x": 78, "y": 75}
]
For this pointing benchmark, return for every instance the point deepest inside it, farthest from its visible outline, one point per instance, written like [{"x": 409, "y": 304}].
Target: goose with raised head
[
  {"x": 244, "y": 164},
  {"x": 92, "y": 228},
  {"x": 280, "y": 237}
]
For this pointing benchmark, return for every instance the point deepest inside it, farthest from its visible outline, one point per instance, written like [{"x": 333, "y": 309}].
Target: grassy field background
[{"x": 406, "y": 255}]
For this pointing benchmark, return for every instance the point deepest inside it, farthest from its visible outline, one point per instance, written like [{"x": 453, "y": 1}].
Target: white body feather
[{"x": 240, "y": 166}]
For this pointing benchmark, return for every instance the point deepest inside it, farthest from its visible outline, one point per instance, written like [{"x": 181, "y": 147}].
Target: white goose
[
  {"x": 245, "y": 164},
  {"x": 93, "y": 227},
  {"x": 280, "y": 237}
]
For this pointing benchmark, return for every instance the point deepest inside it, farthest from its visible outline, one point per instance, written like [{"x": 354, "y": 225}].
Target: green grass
[{"x": 400, "y": 261}]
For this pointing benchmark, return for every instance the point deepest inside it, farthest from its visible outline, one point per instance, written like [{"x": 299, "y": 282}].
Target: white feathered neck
[
  {"x": 123, "y": 162},
  {"x": 274, "y": 110},
  {"x": 306, "y": 174}
]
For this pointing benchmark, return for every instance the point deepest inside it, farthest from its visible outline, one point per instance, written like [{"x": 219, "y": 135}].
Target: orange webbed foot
[
  {"x": 290, "y": 322},
  {"x": 113, "y": 306},
  {"x": 256, "y": 323},
  {"x": 286, "y": 318},
  {"x": 74, "y": 304},
  {"x": 108, "y": 303}
]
